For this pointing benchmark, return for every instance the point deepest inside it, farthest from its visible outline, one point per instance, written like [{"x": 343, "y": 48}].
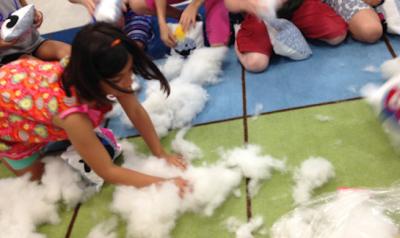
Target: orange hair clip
[{"x": 115, "y": 42}]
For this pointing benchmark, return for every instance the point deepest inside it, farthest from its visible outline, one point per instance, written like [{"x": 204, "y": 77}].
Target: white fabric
[
  {"x": 109, "y": 11},
  {"x": 391, "y": 11},
  {"x": 286, "y": 39},
  {"x": 20, "y": 22},
  {"x": 193, "y": 38}
]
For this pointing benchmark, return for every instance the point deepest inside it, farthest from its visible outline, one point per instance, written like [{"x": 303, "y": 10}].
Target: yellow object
[{"x": 179, "y": 33}]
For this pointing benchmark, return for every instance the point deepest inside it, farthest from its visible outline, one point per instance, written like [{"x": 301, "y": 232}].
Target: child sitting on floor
[
  {"x": 137, "y": 27},
  {"x": 32, "y": 44},
  {"x": 315, "y": 19}
]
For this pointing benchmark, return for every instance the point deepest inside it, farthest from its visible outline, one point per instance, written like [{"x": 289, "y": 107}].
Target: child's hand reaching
[
  {"x": 176, "y": 161},
  {"x": 166, "y": 36},
  {"x": 7, "y": 44},
  {"x": 38, "y": 20},
  {"x": 182, "y": 184},
  {"x": 89, "y": 4},
  {"x": 188, "y": 17}
]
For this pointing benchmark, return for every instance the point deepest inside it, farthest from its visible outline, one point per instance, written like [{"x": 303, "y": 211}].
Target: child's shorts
[
  {"x": 315, "y": 19},
  {"x": 23, "y": 163},
  {"x": 138, "y": 27},
  {"x": 347, "y": 8}
]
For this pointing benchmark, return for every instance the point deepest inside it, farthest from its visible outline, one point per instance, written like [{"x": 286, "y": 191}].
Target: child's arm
[
  {"x": 166, "y": 35},
  {"x": 188, "y": 17},
  {"x": 248, "y": 6},
  {"x": 89, "y": 4},
  {"x": 4, "y": 45},
  {"x": 23, "y": 2},
  {"x": 82, "y": 136},
  {"x": 143, "y": 124}
]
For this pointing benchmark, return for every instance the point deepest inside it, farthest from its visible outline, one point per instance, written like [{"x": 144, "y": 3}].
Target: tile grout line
[
  {"x": 77, "y": 208},
  {"x": 267, "y": 113},
  {"x": 72, "y": 222},
  {"x": 246, "y": 140},
  {"x": 389, "y": 45}
]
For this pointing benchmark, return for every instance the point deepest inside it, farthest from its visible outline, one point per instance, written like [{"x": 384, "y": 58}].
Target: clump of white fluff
[
  {"x": 160, "y": 205},
  {"x": 172, "y": 67},
  {"x": 23, "y": 206},
  {"x": 252, "y": 164},
  {"x": 371, "y": 69},
  {"x": 203, "y": 66},
  {"x": 105, "y": 229},
  {"x": 26, "y": 204},
  {"x": 313, "y": 173},
  {"x": 188, "y": 96},
  {"x": 178, "y": 109},
  {"x": 323, "y": 118},
  {"x": 150, "y": 212},
  {"x": 390, "y": 68},
  {"x": 187, "y": 149},
  {"x": 244, "y": 230},
  {"x": 211, "y": 186},
  {"x": 62, "y": 183},
  {"x": 257, "y": 111},
  {"x": 344, "y": 214}
]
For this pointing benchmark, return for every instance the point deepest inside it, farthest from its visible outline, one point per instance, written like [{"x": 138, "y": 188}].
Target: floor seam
[{"x": 72, "y": 222}]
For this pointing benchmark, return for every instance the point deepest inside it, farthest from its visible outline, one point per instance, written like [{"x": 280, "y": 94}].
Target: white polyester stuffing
[{"x": 312, "y": 173}]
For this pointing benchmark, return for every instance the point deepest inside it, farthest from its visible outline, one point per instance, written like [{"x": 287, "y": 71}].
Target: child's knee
[
  {"x": 255, "y": 62},
  {"x": 369, "y": 32},
  {"x": 337, "y": 40}
]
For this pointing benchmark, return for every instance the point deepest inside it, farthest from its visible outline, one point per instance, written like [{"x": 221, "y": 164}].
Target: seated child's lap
[{"x": 315, "y": 19}]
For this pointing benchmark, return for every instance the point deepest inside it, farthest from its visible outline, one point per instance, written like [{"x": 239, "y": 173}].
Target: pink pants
[{"x": 217, "y": 20}]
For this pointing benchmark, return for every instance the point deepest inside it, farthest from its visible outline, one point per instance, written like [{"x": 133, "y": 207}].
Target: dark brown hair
[{"x": 95, "y": 57}]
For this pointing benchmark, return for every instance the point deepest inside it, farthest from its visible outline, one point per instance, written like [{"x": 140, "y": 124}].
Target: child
[
  {"x": 36, "y": 45},
  {"x": 364, "y": 23},
  {"x": 315, "y": 19},
  {"x": 45, "y": 103},
  {"x": 136, "y": 27},
  {"x": 217, "y": 18}
]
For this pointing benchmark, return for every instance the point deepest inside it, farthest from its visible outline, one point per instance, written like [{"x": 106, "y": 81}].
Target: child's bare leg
[
  {"x": 337, "y": 40},
  {"x": 36, "y": 169},
  {"x": 53, "y": 50},
  {"x": 140, "y": 7},
  {"x": 366, "y": 26},
  {"x": 253, "y": 61}
]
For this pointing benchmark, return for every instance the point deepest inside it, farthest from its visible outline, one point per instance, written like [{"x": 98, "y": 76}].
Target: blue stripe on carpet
[
  {"x": 331, "y": 74},
  {"x": 65, "y": 35},
  {"x": 225, "y": 98}
]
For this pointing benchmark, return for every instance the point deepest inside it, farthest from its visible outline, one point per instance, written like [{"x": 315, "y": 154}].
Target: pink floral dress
[{"x": 31, "y": 94}]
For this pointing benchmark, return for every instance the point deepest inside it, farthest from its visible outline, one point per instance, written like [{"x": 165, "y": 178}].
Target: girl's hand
[
  {"x": 89, "y": 4},
  {"x": 7, "y": 44},
  {"x": 166, "y": 36},
  {"x": 38, "y": 20},
  {"x": 182, "y": 184},
  {"x": 176, "y": 160},
  {"x": 188, "y": 17}
]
